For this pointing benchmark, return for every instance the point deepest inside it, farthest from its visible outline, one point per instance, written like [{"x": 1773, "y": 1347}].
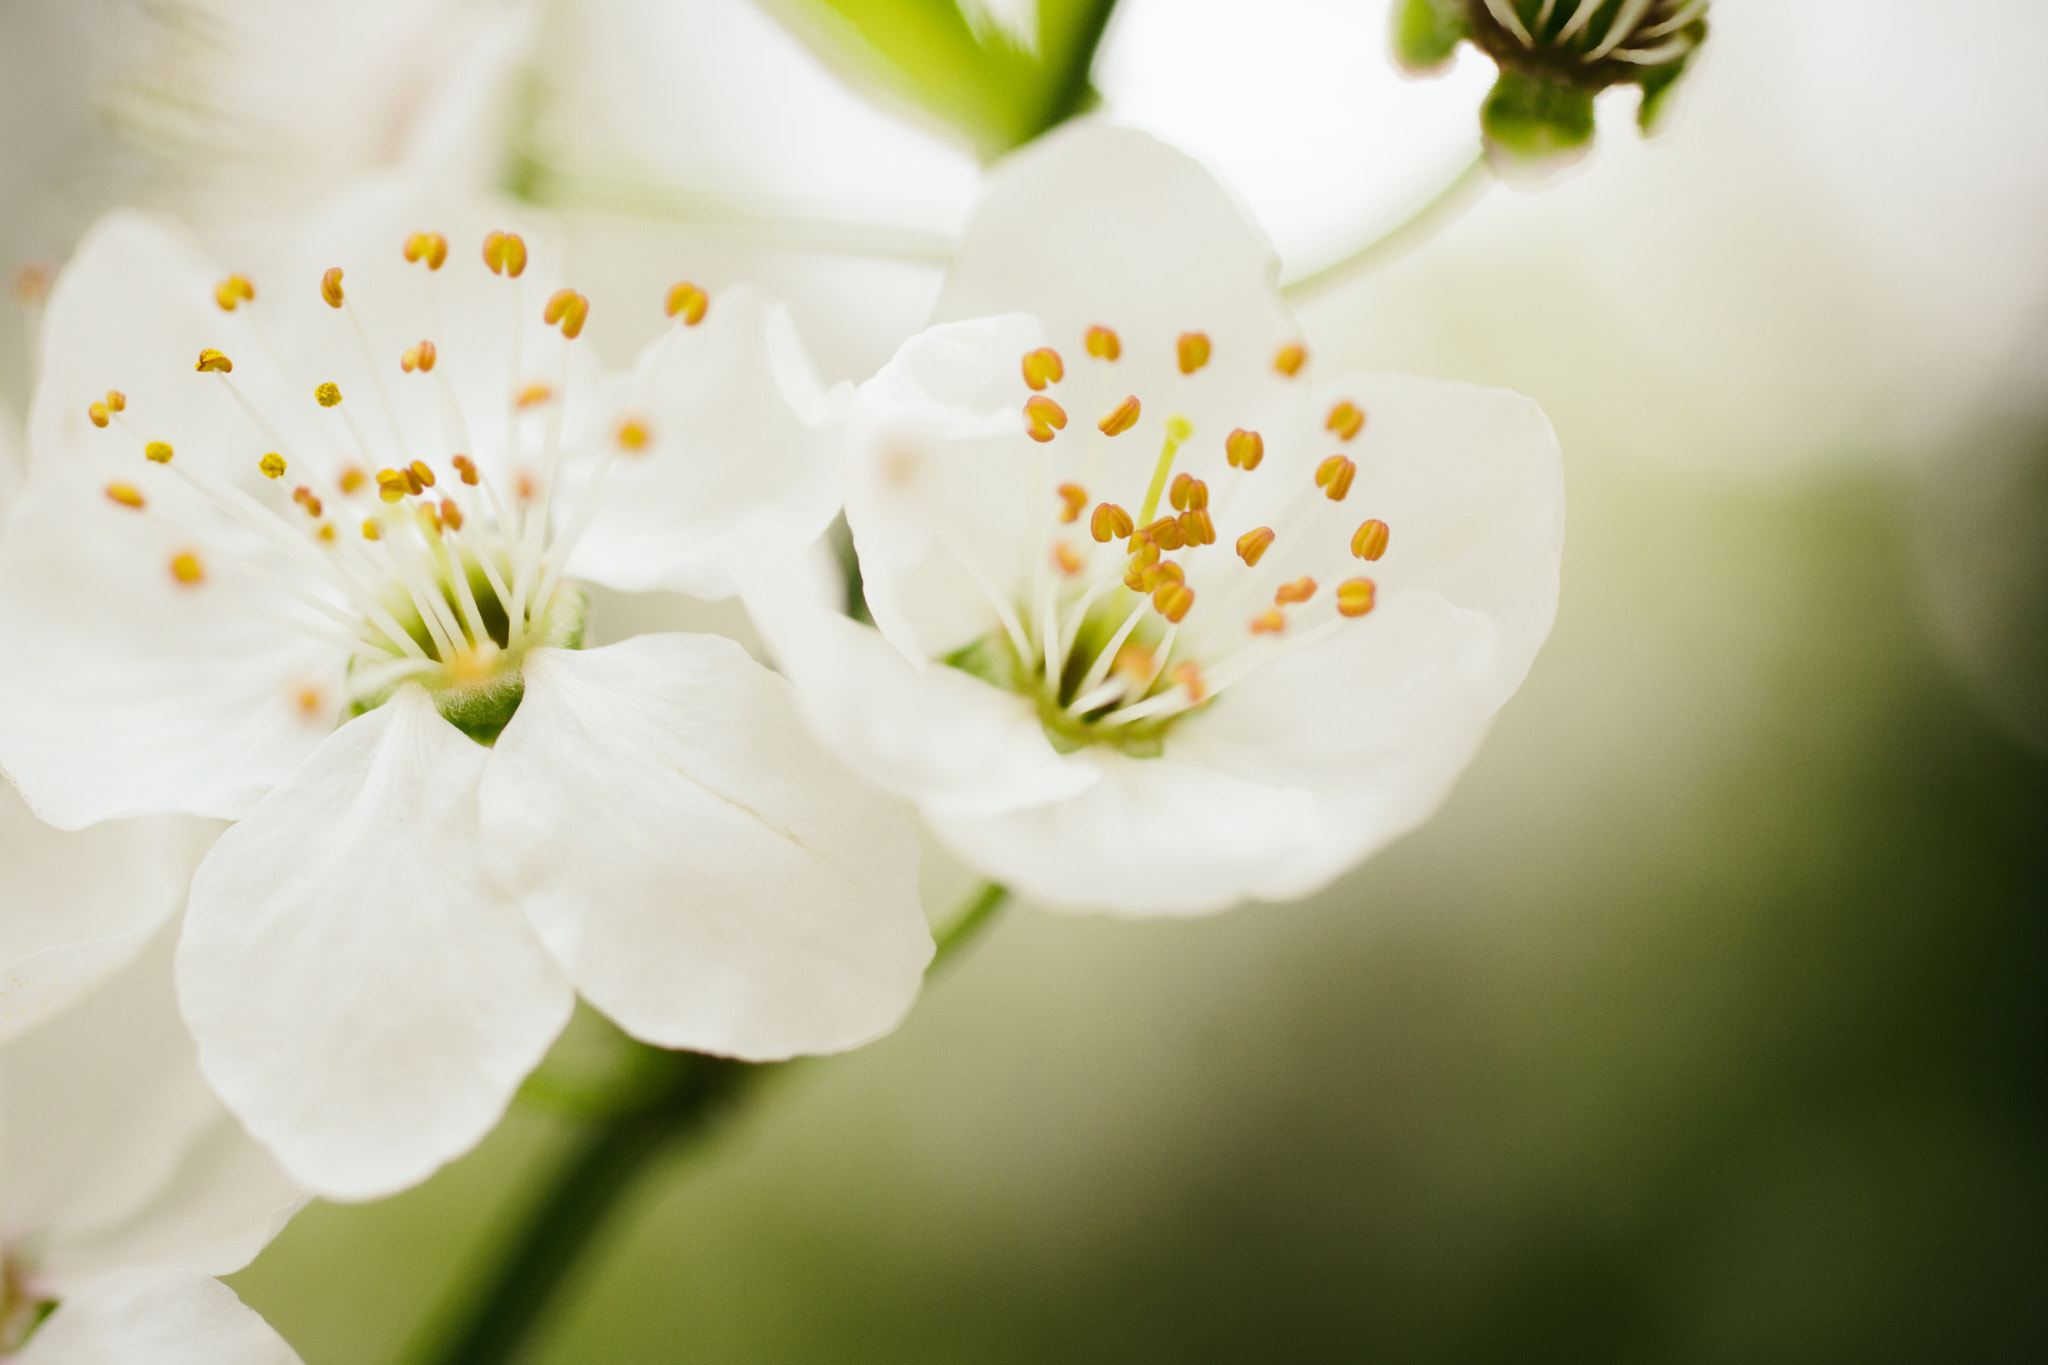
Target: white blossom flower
[
  {"x": 1170, "y": 619},
  {"x": 293, "y": 553},
  {"x": 125, "y": 1187}
]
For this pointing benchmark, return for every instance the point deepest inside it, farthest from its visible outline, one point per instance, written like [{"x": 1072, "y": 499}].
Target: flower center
[{"x": 1127, "y": 621}]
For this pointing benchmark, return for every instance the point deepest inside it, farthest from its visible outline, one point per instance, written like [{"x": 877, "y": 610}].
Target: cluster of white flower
[{"x": 294, "y": 644}]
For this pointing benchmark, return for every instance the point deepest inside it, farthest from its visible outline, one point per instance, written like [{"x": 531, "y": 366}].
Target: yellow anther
[
  {"x": 466, "y": 467},
  {"x": 1177, "y": 491},
  {"x": 451, "y": 515},
  {"x": 523, "y": 486},
  {"x": 420, "y": 473},
  {"x": 311, "y": 700},
  {"x": 330, "y": 287},
  {"x": 1067, "y": 558},
  {"x": 1109, "y": 522},
  {"x": 420, "y": 357},
  {"x": 1244, "y": 449},
  {"x": 533, "y": 395},
  {"x": 1121, "y": 418},
  {"x": 1172, "y": 601},
  {"x": 327, "y": 530},
  {"x": 430, "y": 247},
  {"x": 1354, "y": 596},
  {"x": 352, "y": 479},
  {"x": 1165, "y": 571},
  {"x": 1193, "y": 349},
  {"x": 158, "y": 452},
  {"x": 186, "y": 570},
  {"x": 306, "y": 499},
  {"x": 1347, "y": 419},
  {"x": 97, "y": 413},
  {"x": 1104, "y": 344},
  {"x": 117, "y": 401},
  {"x": 1300, "y": 590},
  {"x": 126, "y": 494},
  {"x": 272, "y": 465},
  {"x": 234, "y": 291},
  {"x": 1253, "y": 544},
  {"x": 1134, "y": 661},
  {"x": 1043, "y": 366},
  {"x": 1196, "y": 528},
  {"x": 1166, "y": 534},
  {"x": 505, "y": 254},
  {"x": 1188, "y": 674},
  {"x": 1289, "y": 359},
  {"x": 213, "y": 361},
  {"x": 370, "y": 531},
  {"x": 1334, "y": 477},
  {"x": 1269, "y": 622},
  {"x": 414, "y": 484},
  {"x": 569, "y": 308},
  {"x": 632, "y": 435},
  {"x": 1043, "y": 417},
  {"x": 328, "y": 394},
  {"x": 1073, "y": 498},
  {"x": 688, "y": 302},
  {"x": 1142, "y": 550},
  {"x": 1370, "y": 540},
  {"x": 393, "y": 484}
]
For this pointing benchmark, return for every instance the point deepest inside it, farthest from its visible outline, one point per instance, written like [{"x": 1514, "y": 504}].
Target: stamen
[
  {"x": 158, "y": 452},
  {"x": 1252, "y": 545},
  {"x": 1290, "y": 358},
  {"x": 234, "y": 291},
  {"x": 1334, "y": 477},
  {"x": 353, "y": 478},
  {"x": 1110, "y": 522},
  {"x": 212, "y": 360},
  {"x": 330, "y": 287},
  {"x": 272, "y": 465},
  {"x": 505, "y": 254},
  {"x": 126, "y": 494},
  {"x": 370, "y": 531},
  {"x": 421, "y": 474},
  {"x": 1043, "y": 366},
  {"x": 1188, "y": 493},
  {"x": 1355, "y": 596},
  {"x": 1189, "y": 675},
  {"x": 1073, "y": 498},
  {"x": 1370, "y": 540},
  {"x": 327, "y": 395},
  {"x": 569, "y": 308},
  {"x": 1172, "y": 601},
  {"x": 1300, "y": 590},
  {"x": 1121, "y": 418},
  {"x": 117, "y": 401},
  {"x": 687, "y": 301},
  {"x": 306, "y": 498},
  {"x": 420, "y": 357},
  {"x": 533, "y": 395},
  {"x": 1165, "y": 533},
  {"x": 1065, "y": 556},
  {"x": 1085, "y": 699},
  {"x": 632, "y": 436},
  {"x": 1196, "y": 528},
  {"x": 1244, "y": 449},
  {"x": 1043, "y": 418},
  {"x": 451, "y": 514},
  {"x": 1346, "y": 419},
  {"x": 1193, "y": 350},
  {"x": 464, "y": 466},
  {"x": 186, "y": 569},
  {"x": 430, "y": 247},
  {"x": 1269, "y": 622},
  {"x": 99, "y": 415},
  {"x": 1104, "y": 344}
]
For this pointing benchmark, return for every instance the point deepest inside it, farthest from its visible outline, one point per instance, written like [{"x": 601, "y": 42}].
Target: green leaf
[
  {"x": 1427, "y": 32},
  {"x": 979, "y": 80},
  {"x": 1534, "y": 122}
]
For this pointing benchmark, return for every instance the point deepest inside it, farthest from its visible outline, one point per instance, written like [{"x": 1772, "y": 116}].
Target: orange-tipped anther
[
  {"x": 419, "y": 470},
  {"x": 1109, "y": 522},
  {"x": 1177, "y": 492},
  {"x": 632, "y": 435},
  {"x": 1347, "y": 419},
  {"x": 126, "y": 494},
  {"x": 158, "y": 452},
  {"x": 1334, "y": 477},
  {"x": 465, "y": 467},
  {"x": 1300, "y": 590},
  {"x": 1121, "y": 418},
  {"x": 505, "y": 254},
  {"x": 1196, "y": 527},
  {"x": 213, "y": 362},
  {"x": 1354, "y": 596},
  {"x": 392, "y": 484},
  {"x": 117, "y": 401},
  {"x": 1067, "y": 558},
  {"x": 1166, "y": 534},
  {"x": 234, "y": 291},
  {"x": 1073, "y": 498},
  {"x": 370, "y": 531},
  {"x": 1269, "y": 622},
  {"x": 1043, "y": 417},
  {"x": 186, "y": 570},
  {"x": 1244, "y": 449},
  {"x": 1188, "y": 674},
  {"x": 1043, "y": 366},
  {"x": 1252, "y": 545},
  {"x": 1193, "y": 351},
  {"x": 688, "y": 302},
  {"x": 570, "y": 309},
  {"x": 1172, "y": 601},
  {"x": 1103, "y": 343},
  {"x": 533, "y": 395},
  {"x": 1142, "y": 549},
  {"x": 451, "y": 515},
  {"x": 330, "y": 287},
  {"x": 272, "y": 465},
  {"x": 352, "y": 479},
  {"x": 430, "y": 247},
  {"x": 328, "y": 394},
  {"x": 1289, "y": 359},
  {"x": 305, "y": 498},
  {"x": 1370, "y": 540},
  {"x": 327, "y": 531},
  {"x": 420, "y": 357},
  {"x": 97, "y": 414}
]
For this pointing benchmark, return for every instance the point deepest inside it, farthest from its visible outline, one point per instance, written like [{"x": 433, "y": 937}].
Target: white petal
[
  {"x": 155, "y": 1316},
  {"x": 364, "y": 996},
  {"x": 707, "y": 874},
  {"x": 940, "y": 737},
  {"x": 77, "y": 907},
  {"x": 740, "y": 457}
]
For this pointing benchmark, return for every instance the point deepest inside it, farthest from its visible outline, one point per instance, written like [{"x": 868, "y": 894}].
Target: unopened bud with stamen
[
  {"x": 1073, "y": 498},
  {"x": 1347, "y": 419},
  {"x": 1289, "y": 359},
  {"x": 1244, "y": 449},
  {"x": 1043, "y": 417},
  {"x": 234, "y": 291},
  {"x": 569, "y": 308},
  {"x": 1354, "y": 596},
  {"x": 1252, "y": 545},
  {"x": 430, "y": 247},
  {"x": 1300, "y": 590},
  {"x": 330, "y": 287},
  {"x": 420, "y": 357},
  {"x": 1109, "y": 522},
  {"x": 505, "y": 254},
  {"x": 327, "y": 395},
  {"x": 1172, "y": 601},
  {"x": 126, "y": 494},
  {"x": 158, "y": 452},
  {"x": 1121, "y": 418},
  {"x": 212, "y": 361},
  {"x": 688, "y": 302},
  {"x": 1103, "y": 343},
  {"x": 1192, "y": 349},
  {"x": 1043, "y": 366},
  {"x": 272, "y": 465},
  {"x": 1334, "y": 477},
  {"x": 1370, "y": 540}
]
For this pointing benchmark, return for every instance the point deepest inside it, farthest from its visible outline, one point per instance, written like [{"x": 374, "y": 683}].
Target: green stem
[
  {"x": 672, "y": 1097},
  {"x": 1462, "y": 191}
]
